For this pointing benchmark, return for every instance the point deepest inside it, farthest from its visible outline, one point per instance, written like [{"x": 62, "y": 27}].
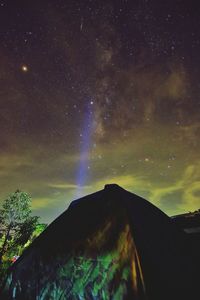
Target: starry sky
[{"x": 95, "y": 92}]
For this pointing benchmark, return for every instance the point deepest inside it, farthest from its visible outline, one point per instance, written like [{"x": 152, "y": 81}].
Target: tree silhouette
[{"x": 16, "y": 222}]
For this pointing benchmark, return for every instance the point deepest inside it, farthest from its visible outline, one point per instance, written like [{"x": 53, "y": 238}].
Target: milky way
[{"x": 93, "y": 92}]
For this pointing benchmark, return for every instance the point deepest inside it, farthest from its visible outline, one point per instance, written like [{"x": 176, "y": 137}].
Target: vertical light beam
[{"x": 83, "y": 166}]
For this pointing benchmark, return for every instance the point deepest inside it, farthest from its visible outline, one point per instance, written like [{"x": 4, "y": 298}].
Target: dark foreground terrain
[{"x": 108, "y": 245}]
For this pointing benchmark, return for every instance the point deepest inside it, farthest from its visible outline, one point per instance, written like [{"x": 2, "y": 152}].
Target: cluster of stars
[{"x": 115, "y": 80}]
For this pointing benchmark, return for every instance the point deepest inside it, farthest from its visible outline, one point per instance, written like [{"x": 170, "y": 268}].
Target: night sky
[{"x": 97, "y": 92}]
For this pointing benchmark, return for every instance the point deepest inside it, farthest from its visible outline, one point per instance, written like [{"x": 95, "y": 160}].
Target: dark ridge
[{"x": 110, "y": 223}]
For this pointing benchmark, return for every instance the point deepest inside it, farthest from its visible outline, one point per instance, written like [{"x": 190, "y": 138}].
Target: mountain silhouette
[{"x": 111, "y": 244}]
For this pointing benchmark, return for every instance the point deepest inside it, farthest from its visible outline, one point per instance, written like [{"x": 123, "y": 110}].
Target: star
[
  {"x": 115, "y": 89},
  {"x": 24, "y": 68}
]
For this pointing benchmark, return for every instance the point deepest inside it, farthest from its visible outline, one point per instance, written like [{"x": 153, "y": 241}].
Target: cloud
[
  {"x": 66, "y": 186},
  {"x": 126, "y": 181},
  {"x": 41, "y": 203},
  {"x": 187, "y": 188}
]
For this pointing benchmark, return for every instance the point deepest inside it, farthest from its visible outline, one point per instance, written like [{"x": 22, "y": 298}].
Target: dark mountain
[{"x": 108, "y": 245}]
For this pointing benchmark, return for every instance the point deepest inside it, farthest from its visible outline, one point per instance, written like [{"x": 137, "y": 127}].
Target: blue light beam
[{"x": 82, "y": 172}]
